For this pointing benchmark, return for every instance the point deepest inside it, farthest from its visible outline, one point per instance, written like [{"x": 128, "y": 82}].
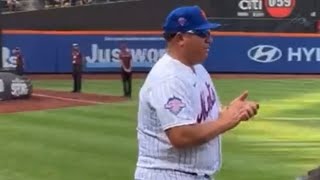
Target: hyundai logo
[{"x": 264, "y": 53}]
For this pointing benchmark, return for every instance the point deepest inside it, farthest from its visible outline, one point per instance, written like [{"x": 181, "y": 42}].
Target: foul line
[
  {"x": 68, "y": 99},
  {"x": 97, "y": 102}
]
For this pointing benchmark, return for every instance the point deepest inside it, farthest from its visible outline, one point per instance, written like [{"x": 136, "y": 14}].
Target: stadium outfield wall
[{"x": 50, "y": 51}]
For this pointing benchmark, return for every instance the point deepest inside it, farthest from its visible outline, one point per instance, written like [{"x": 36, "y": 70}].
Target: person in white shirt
[{"x": 180, "y": 118}]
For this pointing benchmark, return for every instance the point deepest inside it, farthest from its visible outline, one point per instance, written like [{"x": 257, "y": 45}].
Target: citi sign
[{"x": 268, "y": 54}]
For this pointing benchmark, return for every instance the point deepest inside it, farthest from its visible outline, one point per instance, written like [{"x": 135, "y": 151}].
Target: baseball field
[{"x": 96, "y": 139}]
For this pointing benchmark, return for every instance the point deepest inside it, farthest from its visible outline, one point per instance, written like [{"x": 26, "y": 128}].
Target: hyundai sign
[
  {"x": 264, "y": 53},
  {"x": 251, "y": 54}
]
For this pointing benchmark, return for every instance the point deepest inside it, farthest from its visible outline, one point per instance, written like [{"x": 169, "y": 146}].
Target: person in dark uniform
[
  {"x": 125, "y": 58},
  {"x": 76, "y": 67},
  {"x": 19, "y": 61}
]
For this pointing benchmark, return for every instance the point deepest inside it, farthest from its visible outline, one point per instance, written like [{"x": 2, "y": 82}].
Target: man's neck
[{"x": 182, "y": 60}]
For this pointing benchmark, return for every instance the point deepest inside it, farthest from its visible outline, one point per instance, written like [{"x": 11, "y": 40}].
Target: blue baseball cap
[{"x": 187, "y": 18}]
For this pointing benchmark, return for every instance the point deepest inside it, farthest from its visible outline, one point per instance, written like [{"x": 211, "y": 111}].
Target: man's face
[
  {"x": 15, "y": 52},
  {"x": 123, "y": 47},
  {"x": 75, "y": 48},
  {"x": 196, "y": 45}
]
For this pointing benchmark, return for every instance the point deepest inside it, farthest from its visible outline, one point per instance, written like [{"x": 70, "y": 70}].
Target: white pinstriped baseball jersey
[{"x": 174, "y": 95}]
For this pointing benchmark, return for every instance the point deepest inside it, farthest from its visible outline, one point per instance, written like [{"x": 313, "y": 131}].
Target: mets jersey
[{"x": 173, "y": 95}]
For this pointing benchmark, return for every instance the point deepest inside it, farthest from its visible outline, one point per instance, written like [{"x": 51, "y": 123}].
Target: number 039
[{"x": 279, "y": 3}]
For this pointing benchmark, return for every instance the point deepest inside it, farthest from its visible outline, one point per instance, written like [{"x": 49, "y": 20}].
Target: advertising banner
[
  {"x": 52, "y": 53},
  {"x": 265, "y": 54},
  {"x": 243, "y": 53},
  {"x": 262, "y": 9}
]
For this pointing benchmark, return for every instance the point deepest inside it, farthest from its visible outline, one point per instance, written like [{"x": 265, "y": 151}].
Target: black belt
[{"x": 194, "y": 174}]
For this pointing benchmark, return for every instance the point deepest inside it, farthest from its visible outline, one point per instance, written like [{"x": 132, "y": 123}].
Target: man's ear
[{"x": 180, "y": 39}]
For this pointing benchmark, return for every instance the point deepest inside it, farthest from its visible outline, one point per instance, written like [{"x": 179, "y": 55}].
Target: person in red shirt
[
  {"x": 125, "y": 59},
  {"x": 76, "y": 67},
  {"x": 19, "y": 61}
]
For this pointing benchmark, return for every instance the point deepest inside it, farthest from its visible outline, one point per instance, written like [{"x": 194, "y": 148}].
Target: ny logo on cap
[{"x": 182, "y": 21}]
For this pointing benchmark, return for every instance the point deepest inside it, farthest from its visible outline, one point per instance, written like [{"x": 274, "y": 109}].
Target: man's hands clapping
[{"x": 240, "y": 109}]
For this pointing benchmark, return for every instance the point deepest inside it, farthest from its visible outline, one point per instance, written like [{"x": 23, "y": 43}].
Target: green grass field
[{"x": 99, "y": 142}]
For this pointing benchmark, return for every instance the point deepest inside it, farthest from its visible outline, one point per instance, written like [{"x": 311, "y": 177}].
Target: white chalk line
[
  {"x": 97, "y": 102},
  {"x": 68, "y": 99}
]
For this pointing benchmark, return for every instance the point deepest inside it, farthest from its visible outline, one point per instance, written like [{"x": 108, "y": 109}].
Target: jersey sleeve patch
[{"x": 174, "y": 105}]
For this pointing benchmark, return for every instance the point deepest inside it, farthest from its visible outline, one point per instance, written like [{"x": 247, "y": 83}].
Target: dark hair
[{"x": 169, "y": 36}]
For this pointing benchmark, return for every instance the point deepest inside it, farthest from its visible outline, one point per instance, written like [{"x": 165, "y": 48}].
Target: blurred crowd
[{"x": 24, "y": 5}]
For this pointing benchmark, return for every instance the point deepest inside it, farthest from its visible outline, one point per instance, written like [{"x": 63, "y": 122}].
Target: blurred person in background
[
  {"x": 12, "y": 5},
  {"x": 125, "y": 59},
  {"x": 84, "y": 2},
  {"x": 76, "y": 67},
  {"x": 19, "y": 61}
]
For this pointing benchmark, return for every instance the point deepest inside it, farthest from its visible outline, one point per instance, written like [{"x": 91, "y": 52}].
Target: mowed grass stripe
[
  {"x": 75, "y": 123},
  {"x": 111, "y": 87},
  {"x": 249, "y": 153},
  {"x": 265, "y": 90},
  {"x": 36, "y": 159},
  {"x": 42, "y": 144},
  {"x": 109, "y": 115}
]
